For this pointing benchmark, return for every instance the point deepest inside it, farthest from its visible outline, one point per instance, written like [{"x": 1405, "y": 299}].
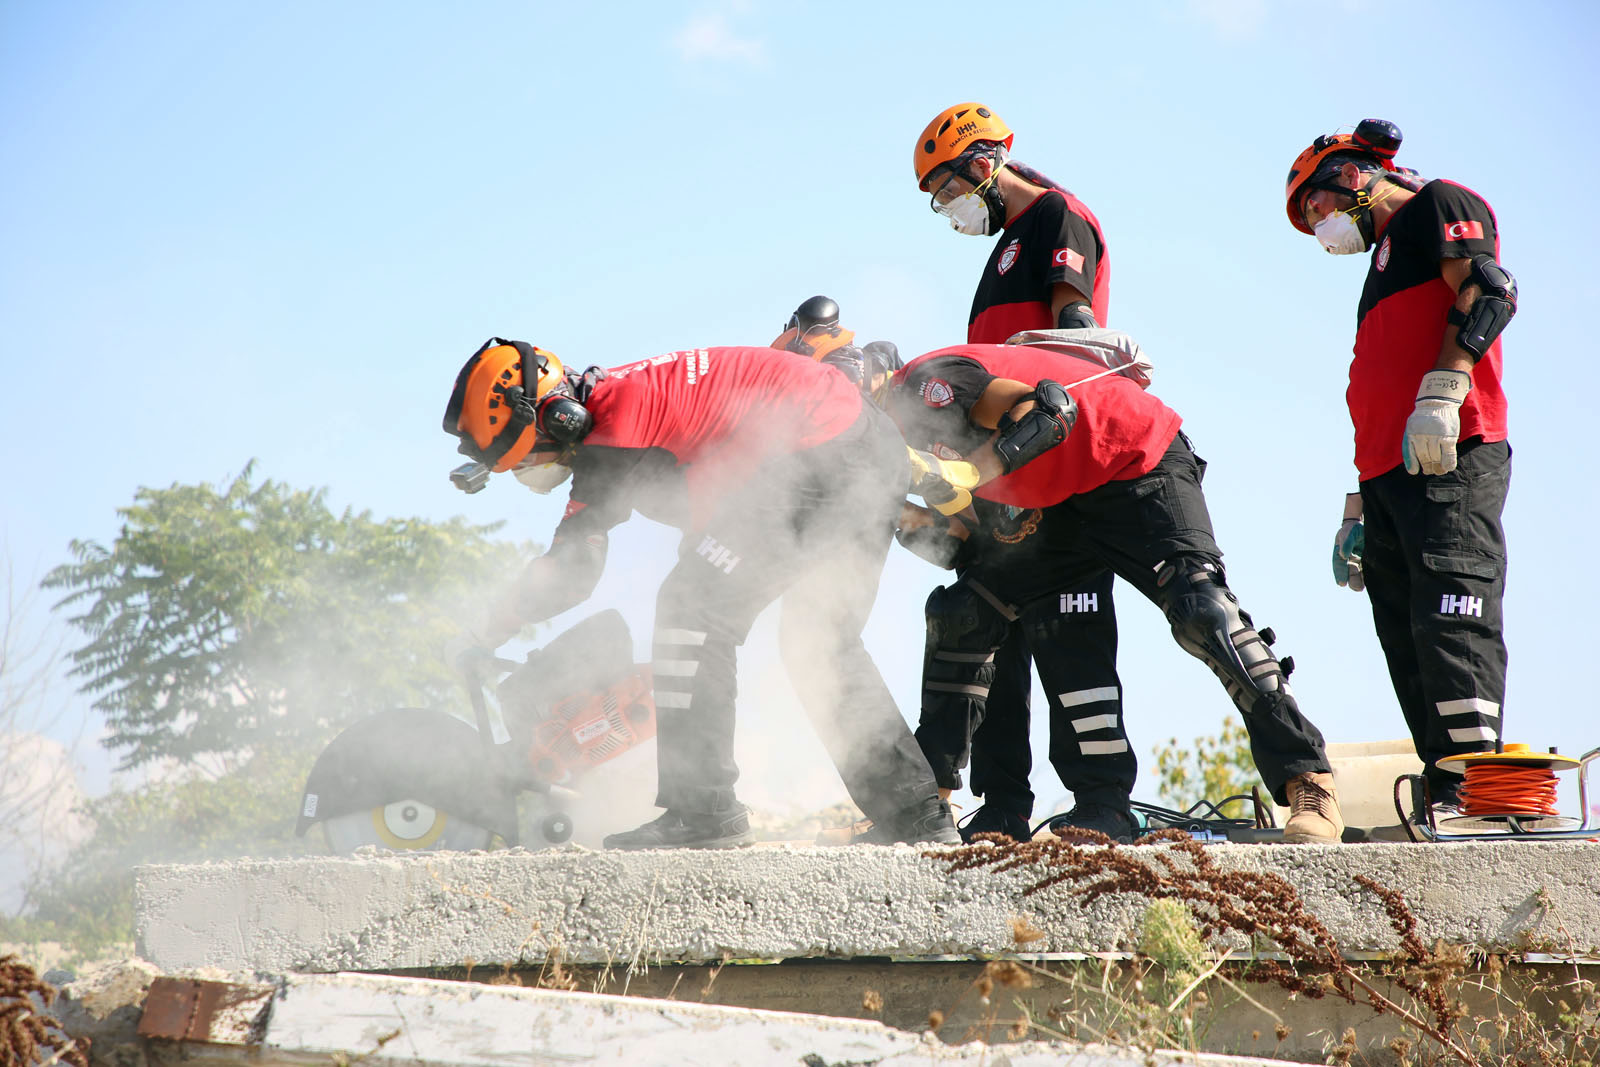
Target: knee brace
[{"x": 1206, "y": 620}]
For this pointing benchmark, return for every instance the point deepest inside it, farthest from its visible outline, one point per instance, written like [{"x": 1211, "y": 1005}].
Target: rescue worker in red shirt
[
  {"x": 1048, "y": 269},
  {"x": 786, "y": 484},
  {"x": 1423, "y": 535},
  {"x": 1117, "y": 487}
]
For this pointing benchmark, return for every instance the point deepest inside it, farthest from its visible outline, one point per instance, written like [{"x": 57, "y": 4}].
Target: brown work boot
[{"x": 1313, "y": 810}]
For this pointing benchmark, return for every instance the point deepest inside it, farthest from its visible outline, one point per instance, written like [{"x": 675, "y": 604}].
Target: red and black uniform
[
  {"x": 1435, "y": 554},
  {"x": 1121, "y": 494},
  {"x": 1056, "y": 239},
  {"x": 785, "y": 484}
]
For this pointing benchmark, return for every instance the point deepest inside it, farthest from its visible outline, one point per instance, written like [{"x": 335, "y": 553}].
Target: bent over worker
[
  {"x": 1116, "y": 486},
  {"x": 1048, "y": 268},
  {"x": 786, "y": 485}
]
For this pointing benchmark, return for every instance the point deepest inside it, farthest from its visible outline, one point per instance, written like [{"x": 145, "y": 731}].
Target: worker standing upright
[{"x": 1423, "y": 534}]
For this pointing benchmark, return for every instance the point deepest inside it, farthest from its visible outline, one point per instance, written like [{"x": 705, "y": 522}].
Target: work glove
[
  {"x": 936, "y": 538},
  {"x": 1429, "y": 444},
  {"x": 946, "y": 484},
  {"x": 468, "y": 657},
  {"x": 1348, "y": 545},
  {"x": 1076, "y": 316}
]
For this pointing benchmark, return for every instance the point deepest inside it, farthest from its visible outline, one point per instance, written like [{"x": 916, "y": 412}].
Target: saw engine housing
[{"x": 574, "y": 704}]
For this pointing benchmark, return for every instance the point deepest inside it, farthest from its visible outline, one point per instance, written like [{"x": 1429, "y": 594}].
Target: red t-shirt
[
  {"x": 1121, "y": 432},
  {"x": 716, "y": 413},
  {"x": 1401, "y": 322}
]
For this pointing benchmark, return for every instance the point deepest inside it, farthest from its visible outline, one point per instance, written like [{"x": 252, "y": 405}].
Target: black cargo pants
[
  {"x": 1134, "y": 528},
  {"x": 1435, "y": 569},
  {"x": 813, "y": 527}
]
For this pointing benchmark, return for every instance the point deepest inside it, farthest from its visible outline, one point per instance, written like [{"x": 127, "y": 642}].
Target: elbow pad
[
  {"x": 1479, "y": 326},
  {"x": 1044, "y": 427}
]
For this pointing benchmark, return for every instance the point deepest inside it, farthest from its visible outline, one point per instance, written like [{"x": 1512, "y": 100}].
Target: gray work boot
[
  {"x": 1314, "y": 816},
  {"x": 925, "y": 824},
  {"x": 676, "y": 829}
]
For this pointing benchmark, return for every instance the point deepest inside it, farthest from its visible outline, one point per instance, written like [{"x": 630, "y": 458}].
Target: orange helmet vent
[
  {"x": 952, "y": 132},
  {"x": 493, "y": 408}
]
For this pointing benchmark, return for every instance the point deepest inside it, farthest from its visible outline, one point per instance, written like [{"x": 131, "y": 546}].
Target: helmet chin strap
[
  {"x": 995, "y": 199},
  {"x": 989, "y": 189},
  {"x": 1365, "y": 201}
]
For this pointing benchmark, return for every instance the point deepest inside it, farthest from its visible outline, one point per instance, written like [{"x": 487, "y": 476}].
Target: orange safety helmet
[
  {"x": 492, "y": 409},
  {"x": 816, "y": 342},
  {"x": 1378, "y": 139},
  {"x": 952, "y": 133}
]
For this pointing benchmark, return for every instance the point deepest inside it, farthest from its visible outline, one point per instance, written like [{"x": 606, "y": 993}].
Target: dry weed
[{"x": 27, "y": 1036}]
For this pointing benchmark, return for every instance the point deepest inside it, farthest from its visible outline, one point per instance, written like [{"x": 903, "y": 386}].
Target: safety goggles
[{"x": 943, "y": 195}]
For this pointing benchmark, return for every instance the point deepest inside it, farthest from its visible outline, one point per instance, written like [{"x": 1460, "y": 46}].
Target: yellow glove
[{"x": 946, "y": 484}]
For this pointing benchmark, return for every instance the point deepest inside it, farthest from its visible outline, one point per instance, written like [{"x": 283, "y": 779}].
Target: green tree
[
  {"x": 227, "y": 621},
  {"x": 1211, "y": 768},
  {"x": 229, "y": 633}
]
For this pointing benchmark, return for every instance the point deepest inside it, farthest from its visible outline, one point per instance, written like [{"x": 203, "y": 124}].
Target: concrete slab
[
  {"x": 137, "y": 1018},
  {"x": 452, "y": 1024},
  {"x": 385, "y": 911}
]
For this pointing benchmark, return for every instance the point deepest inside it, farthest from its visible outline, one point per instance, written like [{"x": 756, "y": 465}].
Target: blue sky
[{"x": 276, "y": 230}]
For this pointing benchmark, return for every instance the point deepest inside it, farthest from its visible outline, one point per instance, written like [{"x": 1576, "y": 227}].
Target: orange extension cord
[{"x": 1498, "y": 789}]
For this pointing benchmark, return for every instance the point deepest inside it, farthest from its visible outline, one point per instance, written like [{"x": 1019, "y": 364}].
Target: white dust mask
[
  {"x": 968, "y": 214},
  {"x": 543, "y": 477},
  {"x": 1341, "y": 235}
]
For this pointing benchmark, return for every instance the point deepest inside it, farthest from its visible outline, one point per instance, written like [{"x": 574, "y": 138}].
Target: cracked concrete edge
[{"x": 386, "y": 911}]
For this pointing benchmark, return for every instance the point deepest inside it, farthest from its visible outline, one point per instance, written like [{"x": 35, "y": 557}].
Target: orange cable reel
[{"x": 1516, "y": 782}]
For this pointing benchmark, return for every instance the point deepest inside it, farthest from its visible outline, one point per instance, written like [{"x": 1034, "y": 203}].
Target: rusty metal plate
[{"x": 189, "y": 1009}]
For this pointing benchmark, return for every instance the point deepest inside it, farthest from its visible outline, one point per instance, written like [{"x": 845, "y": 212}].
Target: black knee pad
[
  {"x": 964, "y": 630},
  {"x": 1207, "y": 621},
  {"x": 961, "y": 620}
]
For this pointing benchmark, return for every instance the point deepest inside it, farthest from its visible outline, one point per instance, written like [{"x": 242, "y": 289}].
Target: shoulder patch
[
  {"x": 936, "y": 393},
  {"x": 1383, "y": 254},
  {"x": 1068, "y": 258},
  {"x": 573, "y": 507},
  {"x": 1008, "y": 258},
  {"x": 1471, "y": 230}
]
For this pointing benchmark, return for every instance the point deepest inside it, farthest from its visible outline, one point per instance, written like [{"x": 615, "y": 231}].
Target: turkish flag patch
[
  {"x": 1066, "y": 257},
  {"x": 573, "y": 507},
  {"x": 1470, "y": 230},
  {"x": 936, "y": 393}
]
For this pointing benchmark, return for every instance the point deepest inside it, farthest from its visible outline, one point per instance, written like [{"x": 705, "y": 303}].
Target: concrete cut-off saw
[{"x": 413, "y": 778}]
